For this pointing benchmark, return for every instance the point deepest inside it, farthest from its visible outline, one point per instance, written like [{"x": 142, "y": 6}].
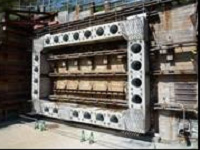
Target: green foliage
[{"x": 99, "y": 8}]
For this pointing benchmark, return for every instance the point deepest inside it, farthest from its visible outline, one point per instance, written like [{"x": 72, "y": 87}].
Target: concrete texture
[{"x": 23, "y": 135}]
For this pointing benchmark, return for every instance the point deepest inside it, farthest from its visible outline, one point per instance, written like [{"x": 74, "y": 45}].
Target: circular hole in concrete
[
  {"x": 114, "y": 119},
  {"x": 35, "y": 91},
  {"x": 46, "y": 109},
  {"x": 36, "y": 58},
  {"x": 136, "y": 65},
  {"x": 87, "y": 115},
  {"x": 137, "y": 99},
  {"x": 75, "y": 113},
  {"x": 100, "y": 31},
  {"x": 76, "y": 36},
  {"x": 65, "y": 37},
  {"x": 136, "y": 82},
  {"x": 114, "y": 29},
  {"x": 56, "y": 39},
  {"x": 36, "y": 80},
  {"x": 87, "y": 34},
  {"x": 99, "y": 117},
  {"x": 47, "y": 40},
  {"x": 36, "y": 69},
  {"x": 136, "y": 48},
  {"x": 55, "y": 110}
]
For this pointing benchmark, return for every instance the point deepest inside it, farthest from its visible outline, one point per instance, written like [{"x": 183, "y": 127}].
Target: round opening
[
  {"x": 55, "y": 110},
  {"x": 76, "y": 36},
  {"x": 47, "y": 40},
  {"x": 36, "y": 58},
  {"x": 35, "y": 92},
  {"x": 87, "y": 115},
  {"x": 56, "y": 39},
  {"x": 36, "y": 69},
  {"x": 137, "y": 82},
  {"x": 65, "y": 37},
  {"x": 87, "y": 34},
  {"x": 36, "y": 80},
  {"x": 113, "y": 29},
  {"x": 99, "y": 117},
  {"x": 137, "y": 99},
  {"x": 100, "y": 31},
  {"x": 136, "y": 65},
  {"x": 136, "y": 48},
  {"x": 46, "y": 109},
  {"x": 75, "y": 114},
  {"x": 114, "y": 119}
]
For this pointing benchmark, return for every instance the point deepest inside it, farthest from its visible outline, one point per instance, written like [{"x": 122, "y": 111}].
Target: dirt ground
[{"x": 23, "y": 135}]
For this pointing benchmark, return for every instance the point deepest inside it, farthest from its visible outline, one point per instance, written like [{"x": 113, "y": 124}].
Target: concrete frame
[{"x": 135, "y": 119}]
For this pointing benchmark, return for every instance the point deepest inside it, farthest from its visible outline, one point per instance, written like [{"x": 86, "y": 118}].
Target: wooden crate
[
  {"x": 117, "y": 63},
  {"x": 86, "y": 84},
  {"x": 61, "y": 84},
  {"x": 100, "y": 85},
  {"x": 85, "y": 65},
  {"x": 72, "y": 84},
  {"x": 116, "y": 86},
  {"x": 62, "y": 67},
  {"x": 73, "y": 66},
  {"x": 101, "y": 64}
]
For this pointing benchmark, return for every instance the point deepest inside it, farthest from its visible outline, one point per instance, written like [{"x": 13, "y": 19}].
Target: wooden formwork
[
  {"x": 73, "y": 66},
  {"x": 118, "y": 63},
  {"x": 88, "y": 84},
  {"x": 100, "y": 74},
  {"x": 15, "y": 74},
  {"x": 86, "y": 65},
  {"x": 95, "y": 64},
  {"x": 100, "y": 63}
]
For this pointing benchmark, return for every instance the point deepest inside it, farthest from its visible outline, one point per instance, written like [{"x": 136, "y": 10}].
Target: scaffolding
[{"x": 70, "y": 5}]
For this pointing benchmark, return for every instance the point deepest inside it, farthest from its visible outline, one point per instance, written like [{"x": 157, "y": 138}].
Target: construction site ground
[{"x": 22, "y": 134}]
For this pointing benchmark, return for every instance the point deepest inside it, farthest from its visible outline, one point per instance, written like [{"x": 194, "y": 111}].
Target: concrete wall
[
  {"x": 170, "y": 124},
  {"x": 175, "y": 25}
]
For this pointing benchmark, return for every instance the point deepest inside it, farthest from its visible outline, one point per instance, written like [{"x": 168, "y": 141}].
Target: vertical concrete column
[
  {"x": 77, "y": 10},
  {"x": 35, "y": 94},
  {"x": 107, "y": 6},
  {"x": 92, "y": 8},
  {"x": 138, "y": 70}
]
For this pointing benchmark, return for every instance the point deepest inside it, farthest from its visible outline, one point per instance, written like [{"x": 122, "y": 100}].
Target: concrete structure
[
  {"x": 134, "y": 117},
  {"x": 173, "y": 71},
  {"x": 131, "y": 67}
]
